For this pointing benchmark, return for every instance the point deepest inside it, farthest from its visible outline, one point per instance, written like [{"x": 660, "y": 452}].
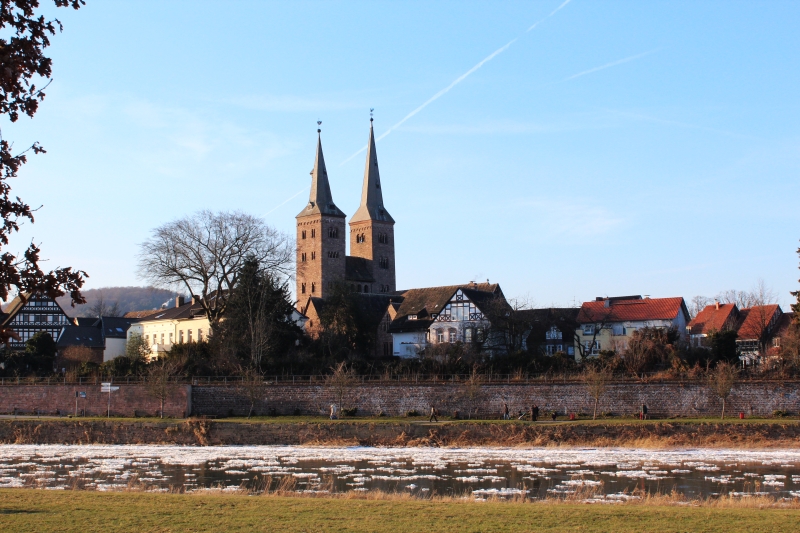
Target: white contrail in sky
[
  {"x": 608, "y": 65},
  {"x": 556, "y": 10},
  {"x": 457, "y": 81},
  {"x": 438, "y": 95},
  {"x": 295, "y": 195}
]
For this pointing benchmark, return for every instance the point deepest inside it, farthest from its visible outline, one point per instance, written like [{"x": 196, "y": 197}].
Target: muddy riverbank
[{"x": 656, "y": 434}]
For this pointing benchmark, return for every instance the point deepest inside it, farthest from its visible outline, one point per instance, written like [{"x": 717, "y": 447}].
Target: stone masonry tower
[
  {"x": 372, "y": 228},
  {"x": 320, "y": 237}
]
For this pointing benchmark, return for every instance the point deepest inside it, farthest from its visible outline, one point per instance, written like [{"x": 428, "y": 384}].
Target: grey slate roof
[
  {"x": 357, "y": 269},
  {"x": 116, "y": 327},
  {"x": 429, "y": 301},
  {"x": 371, "y": 207},
  {"x": 320, "y": 200},
  {"x": 81, "y": 336}
]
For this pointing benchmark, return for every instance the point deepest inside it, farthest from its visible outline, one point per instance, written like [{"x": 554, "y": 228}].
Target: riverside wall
[
  {"x": 397, "y": 399},
  {"x": 662, "y": 399},
  {"x": 129, "y": 400}
]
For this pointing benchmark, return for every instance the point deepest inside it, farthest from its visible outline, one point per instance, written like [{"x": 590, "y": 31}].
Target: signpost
[
  {"x": 106, "y": 387},
  {"x": 78, "y": 394}
]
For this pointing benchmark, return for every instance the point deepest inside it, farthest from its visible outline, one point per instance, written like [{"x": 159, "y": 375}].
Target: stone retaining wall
[
  {"x": 129, "y": 400},
  {"x": 662, "y": 399},
  {"x": 393, "y": 399}
]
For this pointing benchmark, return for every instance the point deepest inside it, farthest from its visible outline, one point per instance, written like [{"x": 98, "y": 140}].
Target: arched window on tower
[
  {"x": 333, "y": 233},
  {"x": 303, "y": 257},
  {"x": 303, "y": 234},
  {"x": 313, "y": 288},
  {"x": 313, "y": 255},
  {"x": 302, "y": 288},
  {"x": 313, "y": 233}
]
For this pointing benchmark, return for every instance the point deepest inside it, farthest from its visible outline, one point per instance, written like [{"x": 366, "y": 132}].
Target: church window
[
  {"x": 313, "y": 288},
  {"x": 333, "y": 233},
  {"x": 384, "y": 262},
  {"x": 313, "y": 233},
  {"x": 303, "y": 257},
  {"x": 303, "y": 234},
  {"x": 359, "y": 287},
  {"x": 302, "y": 288},
  {"x": 313, "y": 255}
]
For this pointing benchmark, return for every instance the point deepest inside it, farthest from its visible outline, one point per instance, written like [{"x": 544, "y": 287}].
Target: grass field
[{"x": 23, "y": 510}]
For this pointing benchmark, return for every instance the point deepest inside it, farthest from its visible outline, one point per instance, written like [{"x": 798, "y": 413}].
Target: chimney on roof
[
  {"x": 716, "y": 305},
  {"x": 179, "y": 301},
  {"x": 195, "y": 299},
  {"x": 607, "y": 302}
]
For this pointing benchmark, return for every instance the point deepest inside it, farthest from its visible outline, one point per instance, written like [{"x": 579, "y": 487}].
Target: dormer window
[{"x": 412, "y": 317}]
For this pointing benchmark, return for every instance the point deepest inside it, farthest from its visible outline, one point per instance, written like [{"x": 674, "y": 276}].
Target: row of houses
[{"x": 409, "y": 323}]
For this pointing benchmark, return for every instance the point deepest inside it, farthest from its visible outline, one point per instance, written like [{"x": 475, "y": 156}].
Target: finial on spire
[
  {"x": 319, "y": 123},
  {"x": 371, "y": 109}
]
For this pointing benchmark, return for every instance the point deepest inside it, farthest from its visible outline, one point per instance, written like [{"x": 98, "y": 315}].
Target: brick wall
[
  {"x": 662, "y": 399},
  {"x": 129, "y": 400}
]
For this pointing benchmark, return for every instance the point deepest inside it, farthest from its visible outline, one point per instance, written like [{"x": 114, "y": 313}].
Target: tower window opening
[
  {"x": 313, "y": 255},
  {"x": 313, "y": 288},
  {"x": 333, "y": 233},
  {"x": 303, "y": 234},
  {"x": 313, "y": 233},
  {"x": 302, "y": 288},
  {"x": 303, "y": 257}
]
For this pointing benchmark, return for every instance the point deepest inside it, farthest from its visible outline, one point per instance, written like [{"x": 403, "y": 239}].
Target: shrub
[
  {"x": 411, "y": 413},
  {"x": 780, "y": 413},
  {"x": 349, "y": 411}
]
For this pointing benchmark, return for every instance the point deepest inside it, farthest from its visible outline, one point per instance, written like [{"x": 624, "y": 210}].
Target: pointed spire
[
  {"x": 320, "y": 201},
  {"x": 371, "y": 207}
]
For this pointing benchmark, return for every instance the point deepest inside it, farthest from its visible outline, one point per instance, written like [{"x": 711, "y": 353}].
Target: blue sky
[{"x": 615, "y": 148}]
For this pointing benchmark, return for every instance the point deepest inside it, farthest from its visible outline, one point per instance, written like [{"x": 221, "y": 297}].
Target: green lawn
[{"x": 41, "y": 511}]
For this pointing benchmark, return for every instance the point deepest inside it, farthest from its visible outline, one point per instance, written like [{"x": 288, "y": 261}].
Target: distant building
[
  {"x": 186, "y": 322},
  {"x": 713, "y": 318},
  {"x": 609, "y": 323},
  {"x": 551, "y": 330},
  {"x": 28, "y": 314},
  {"x": 754, "y": 329}
]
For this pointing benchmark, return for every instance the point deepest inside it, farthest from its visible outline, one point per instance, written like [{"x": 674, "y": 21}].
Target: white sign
[{"x": 108, "y": 388}]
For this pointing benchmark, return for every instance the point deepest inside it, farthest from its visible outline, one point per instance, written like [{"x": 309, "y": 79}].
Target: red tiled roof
[
  {"x": 625, "y": 310},
  {"x": 753, "y": 321},
  {"x": 713, "y": 318}
]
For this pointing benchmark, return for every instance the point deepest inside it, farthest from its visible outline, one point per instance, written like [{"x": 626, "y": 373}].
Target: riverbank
[
  {"x": 404, "y": 432},
  {"x": 26, "y": 510}
]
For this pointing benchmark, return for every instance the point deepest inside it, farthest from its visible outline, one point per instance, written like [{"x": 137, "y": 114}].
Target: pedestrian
[
  {"x": 433, "y": 416},
  {"x": 553, "y": 415},
  {"x": 334, "y": 410},
  {"x": 505, "y": 412},
  {"x": 535, "y": 413},
  {"x": 644, "y": 412}
]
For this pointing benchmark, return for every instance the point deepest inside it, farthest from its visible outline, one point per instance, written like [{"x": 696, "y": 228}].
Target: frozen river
[{"x": 609, "y": 473}]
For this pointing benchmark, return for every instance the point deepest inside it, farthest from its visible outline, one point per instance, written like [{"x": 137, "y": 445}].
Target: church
[
  {"x": 322, "y": 260},
  {"x": 406, "y": 321}
]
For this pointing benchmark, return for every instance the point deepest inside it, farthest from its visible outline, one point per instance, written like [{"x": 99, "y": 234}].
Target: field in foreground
[{"x": 24, "y": 510}]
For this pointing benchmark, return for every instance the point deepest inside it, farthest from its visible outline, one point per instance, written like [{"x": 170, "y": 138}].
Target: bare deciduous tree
[
  {"x": 596, "y": 380},
  {"x": 473, "y": 391},
  {"x": 161, "y": 380},
  {"x": 206, "y": 251},
  {"x": 697, "y": 304},
  {"x": 341, "y": 381},
  {"x": 101, "y": 307},
  {"x": 252, "y": 386},
  {"x": 721, "y": 381}
]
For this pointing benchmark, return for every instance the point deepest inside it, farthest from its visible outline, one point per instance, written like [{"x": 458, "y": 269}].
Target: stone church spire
[
  {"x": 320, "y": 201},
  {"x": 371, "y": 207}
]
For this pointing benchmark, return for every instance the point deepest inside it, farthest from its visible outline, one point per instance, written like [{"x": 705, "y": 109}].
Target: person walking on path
[
  {"x": 644, "y": 412},
  {"x": 505, "y": 412},
  {"x": 534, "y": 413},
  {"x": 433, "y": 416},
  {"x": 334, "y": 410}
]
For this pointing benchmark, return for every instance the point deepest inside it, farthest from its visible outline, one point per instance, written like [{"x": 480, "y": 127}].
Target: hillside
[{"x": 116, "y": 301}]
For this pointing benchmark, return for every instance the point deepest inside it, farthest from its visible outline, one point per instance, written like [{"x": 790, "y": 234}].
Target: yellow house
[
  {"x": 186, "y": 322},
  {"x": 609, "y": 323}
]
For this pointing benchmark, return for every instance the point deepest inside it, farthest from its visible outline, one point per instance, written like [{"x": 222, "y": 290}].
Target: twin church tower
[{"x": 321, "y": 234}]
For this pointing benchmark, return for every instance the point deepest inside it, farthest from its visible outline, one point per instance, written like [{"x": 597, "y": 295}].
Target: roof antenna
[{"x": 371, "y": 109}]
